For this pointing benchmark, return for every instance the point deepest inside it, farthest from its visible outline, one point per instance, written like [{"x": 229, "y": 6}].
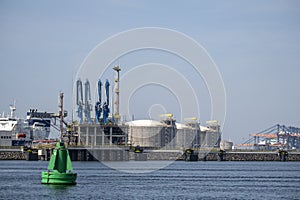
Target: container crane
[
  {"x": 79, "y": 100},
  {"x": 87, "y": 103},
  {"x": 275, "y": 136},
  {"x": 98, "y": 109}
]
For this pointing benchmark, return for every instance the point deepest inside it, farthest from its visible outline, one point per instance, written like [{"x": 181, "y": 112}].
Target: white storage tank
[
  {"x": 185, "y": 136},
  {"x": 145, "y": 133},
  {"x": 226, "y": 145}
]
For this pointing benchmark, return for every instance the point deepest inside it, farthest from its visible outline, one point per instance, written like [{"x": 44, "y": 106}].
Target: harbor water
[{"x": 180, "y": 180}]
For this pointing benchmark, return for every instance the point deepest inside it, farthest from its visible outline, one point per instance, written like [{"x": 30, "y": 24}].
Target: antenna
[
  {"x": 72, "y": 99},
  {"x": 61, "y": 114}
]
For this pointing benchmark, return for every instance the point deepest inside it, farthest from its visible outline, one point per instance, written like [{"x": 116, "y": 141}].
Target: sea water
[{"x": 179, "y": 180}]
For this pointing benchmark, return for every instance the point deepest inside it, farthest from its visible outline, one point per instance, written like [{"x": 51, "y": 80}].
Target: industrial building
[
  {"x": 96, "y": 135},
  {"x": 149, "y": 134},
  {"x": 105, "y": 130}
]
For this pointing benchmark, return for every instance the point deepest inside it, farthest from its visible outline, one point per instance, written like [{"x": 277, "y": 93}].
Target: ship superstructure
[
  {"x": 37, "y": 124},
  {"x": 17, "y": 132},
  {"x": 10, "y": 127}
]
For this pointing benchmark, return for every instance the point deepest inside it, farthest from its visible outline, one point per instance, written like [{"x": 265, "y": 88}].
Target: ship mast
[{"x": 12, "y": 109}]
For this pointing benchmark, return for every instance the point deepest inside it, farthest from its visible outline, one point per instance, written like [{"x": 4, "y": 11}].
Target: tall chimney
[{"x": 117, "y": 93}]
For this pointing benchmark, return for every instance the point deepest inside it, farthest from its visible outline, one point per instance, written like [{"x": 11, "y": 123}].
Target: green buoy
[{"x": 60, "y": 165}]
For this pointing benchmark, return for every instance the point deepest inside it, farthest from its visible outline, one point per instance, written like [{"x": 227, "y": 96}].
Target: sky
[{"x": 255, "y": 45}]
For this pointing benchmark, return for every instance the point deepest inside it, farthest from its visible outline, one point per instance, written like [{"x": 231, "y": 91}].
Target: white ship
[
  {"x": 16, "y": 132},
  {"x": 11, "y": 128}
]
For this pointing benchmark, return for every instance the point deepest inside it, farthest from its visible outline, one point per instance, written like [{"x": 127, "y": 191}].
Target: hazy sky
[{"x": 255, "y": 44}]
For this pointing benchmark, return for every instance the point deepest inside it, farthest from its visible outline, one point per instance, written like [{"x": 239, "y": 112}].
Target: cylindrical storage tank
[
  {"x": 203, "y": 132},
  {"x": 184, "y": 136},
  {"x": 145, "y": 133},
  {"x": 226, "y": 145},
  {"x": 180, "y": 135},
  {"x": 212, "y": 139}
]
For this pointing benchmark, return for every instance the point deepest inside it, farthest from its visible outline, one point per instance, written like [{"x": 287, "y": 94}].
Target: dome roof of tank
[{"x": 144, "y": 122}]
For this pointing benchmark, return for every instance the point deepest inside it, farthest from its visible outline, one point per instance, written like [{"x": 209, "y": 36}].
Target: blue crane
[
  {"x": 98, "y": 109},
  {"x": 87, "y": 103},
  {"x": 106, "y": 104},
  {"x": 79, "y": 100}
]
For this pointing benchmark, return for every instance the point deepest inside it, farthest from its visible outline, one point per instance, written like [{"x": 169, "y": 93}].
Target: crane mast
[
  {"x": 87, "y": 104},
  {"x": 83, "y": 101},
  {"x": 106, "y": 104},
  {"x": 98, "y": 109},
  {"x": 79, "y": 100}
]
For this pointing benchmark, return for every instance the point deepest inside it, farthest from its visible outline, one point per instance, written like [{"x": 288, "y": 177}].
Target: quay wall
[
  {"x": 249, "y": 156},
  {"x": 125, "y": 155},
  {"x": 12, "y": 155}
]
